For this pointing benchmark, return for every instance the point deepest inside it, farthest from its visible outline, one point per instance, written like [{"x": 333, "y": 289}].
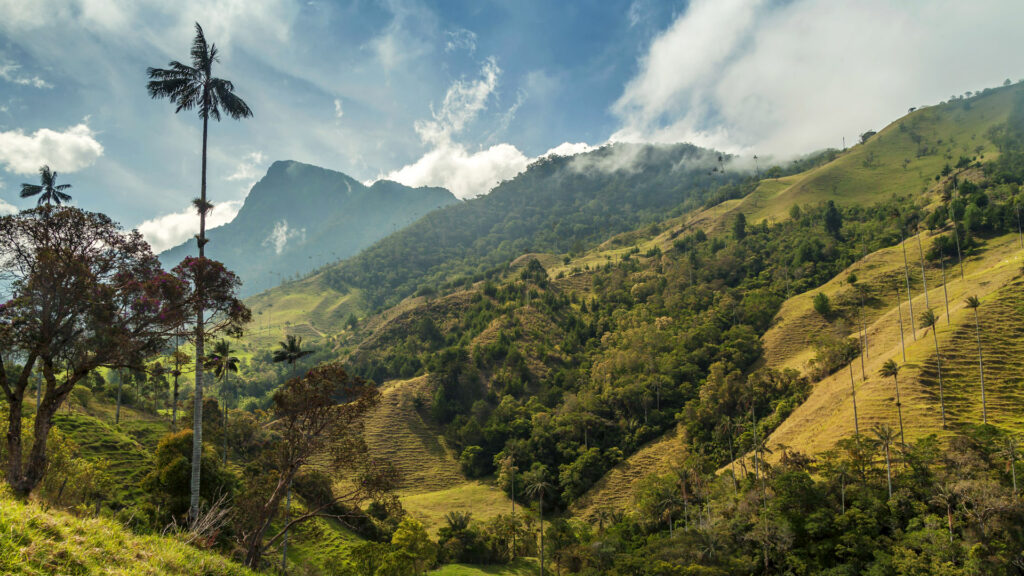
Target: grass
[
  {"x": 307, "y": 308},
  {"x": 521, "y": 567},
  {"x": 992, "y": 275},
  {"x": 431, "y": 483},
  {"x": 615, "y": 490},
  {"x": 34, "y": 541},
  {"x": 888, "y": 163}
]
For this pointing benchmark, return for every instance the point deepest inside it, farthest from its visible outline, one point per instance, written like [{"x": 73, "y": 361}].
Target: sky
[{"x": 460, "y": 93}]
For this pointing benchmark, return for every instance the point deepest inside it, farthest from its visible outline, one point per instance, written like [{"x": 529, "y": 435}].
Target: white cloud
[
  {"x": 249, "y": 169},
  {"x": 463, "y": 101},
  {"x": 9, "y": 72},
  {"x": 568, "y": 149},
  {"x": 789, "y": 78},
  {"x": 450, "y": 164},
  {"x": 460, "y": 39},
  {"x": 73, "y": 149},
  {"x": 464, "y": 173},
  {"x": 338, "y": 112},
  {"x": 281, "y": 234},
  {"x": 169, "y": 230}
]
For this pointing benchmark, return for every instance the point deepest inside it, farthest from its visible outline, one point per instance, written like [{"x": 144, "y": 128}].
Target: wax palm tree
[
  {"x": 195, "y": 88},
  {"x": 290, "y": 351},
  {"x": 223, "y": 363},
  {"x": 48, "y": 190},
  {"x": 853, "y": 395},
  {"x": 885, "y": 435},
  {"x": 973, "y": 303},
  {"x": 946, "y": 496},
  {"x": 928, "y": 321},
  {"x": 668, "y": 503},
  {"x": 891, "y": 369},
  {"x": 537, "y": 487}
]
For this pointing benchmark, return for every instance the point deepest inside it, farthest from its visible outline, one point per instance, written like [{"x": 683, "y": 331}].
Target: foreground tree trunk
[{"x": 197, "y": 417}]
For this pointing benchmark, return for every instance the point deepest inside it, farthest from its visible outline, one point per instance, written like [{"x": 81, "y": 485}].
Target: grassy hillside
[
  {"x": 431, "y": 484},
  {"x": 902, "y": 158},
  {"x": 35, "y": 541}
]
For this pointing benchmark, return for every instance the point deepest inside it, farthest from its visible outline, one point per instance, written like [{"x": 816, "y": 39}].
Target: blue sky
[{"x": 461, "y": 93}]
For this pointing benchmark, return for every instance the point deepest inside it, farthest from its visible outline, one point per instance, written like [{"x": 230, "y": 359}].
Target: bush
[{"x": 823, "y": 306}]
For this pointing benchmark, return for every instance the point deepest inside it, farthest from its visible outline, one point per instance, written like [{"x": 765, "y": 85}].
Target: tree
[
  {"x": 833, "y": 219},
  {"x": 973, "y": 303},
  {"x": 891, "y": 369},
  {"x": 188, "y": 88},
  {"x": 885, "y": 435},
  {"x": 48, "y": 190},
  {"x": 412, "y": 540},
  {"x": 928, "y": 321},
  {"x": 536, "y": 487},
  {"x": 864, "y": 137},
  {"x": 223, "y": 363},
  {"x": 739, "y": 226},
  {"x": 307, "y": 424},
  {"x": 82, "y": 293},
  {"x": 290, "y": 351},
  {"x": 822, "y": 305}
]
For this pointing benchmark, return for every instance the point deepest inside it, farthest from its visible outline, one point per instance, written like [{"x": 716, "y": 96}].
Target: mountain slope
[
  {"x": 559, "y": 204},
  {"x": 299, "y": 217},
  {"x": 36, "y": 541}
]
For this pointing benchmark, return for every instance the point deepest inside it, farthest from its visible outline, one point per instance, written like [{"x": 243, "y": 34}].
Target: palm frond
[
  {"x": 232, "y": 105},
  {"x": 30, "y": 190}
]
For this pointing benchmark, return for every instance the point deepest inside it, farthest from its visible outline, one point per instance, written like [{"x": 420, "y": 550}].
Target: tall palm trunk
[
  {"x": 225, "y": 414},
  {"x": 888, "y": 470},
  {"x": 938, "y": 366},
  {"x": 924, "y": 277},
  {"x": 853, "y": 394},
  {"x": 981, "y": 367},
  {"x": 945, "y": 293},
  {"x": 899, "y": 314},
  {"x": 910, "y": 296},
  {"x": 959, "y": 259},
  {"x": 899, "y": 408},
  {"x": 197, "y": 418}
]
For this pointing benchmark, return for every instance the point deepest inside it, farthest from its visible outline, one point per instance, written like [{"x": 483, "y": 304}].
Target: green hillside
[{"x": 37, "y": 541}]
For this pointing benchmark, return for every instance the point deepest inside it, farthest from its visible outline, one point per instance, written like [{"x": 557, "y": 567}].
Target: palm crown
[
  {"x": 291, "y": 350},
  {"x": 221, "y": 360},
  {"x": 48, "y": 190},
  {"x": 195, "y": 86}
]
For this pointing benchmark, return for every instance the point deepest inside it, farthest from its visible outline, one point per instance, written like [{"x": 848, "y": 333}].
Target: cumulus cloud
[
  {"x": 73, "y": 149},
  {"x": 752, "y": 75},
  {"x": 9, "y": 72},
  {"x": 451, "y": 164},
  {"x": 169, "y": 230},
  {"x": 281, "y": 234},
  {"x": 466, "y": 174}
]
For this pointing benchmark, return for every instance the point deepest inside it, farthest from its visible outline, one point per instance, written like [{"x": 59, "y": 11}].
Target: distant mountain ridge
[{"x": 299, "y": 217}]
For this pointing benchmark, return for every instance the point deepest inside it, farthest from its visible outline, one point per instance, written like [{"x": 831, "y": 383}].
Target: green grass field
[
  {"x": 522, "y": 567},
  {"x": 38, "y": 542}
]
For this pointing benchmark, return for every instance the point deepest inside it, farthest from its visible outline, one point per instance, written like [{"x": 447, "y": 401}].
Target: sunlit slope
[
  {"x": 307, "y": 308},
  {"x": 994, "y": 276},
  {"x": 901, "y": 159},
  {"x": 430, "y": 482},
  {"x": 615, "y": 490},
  {"x": 34, "y": 541}
]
